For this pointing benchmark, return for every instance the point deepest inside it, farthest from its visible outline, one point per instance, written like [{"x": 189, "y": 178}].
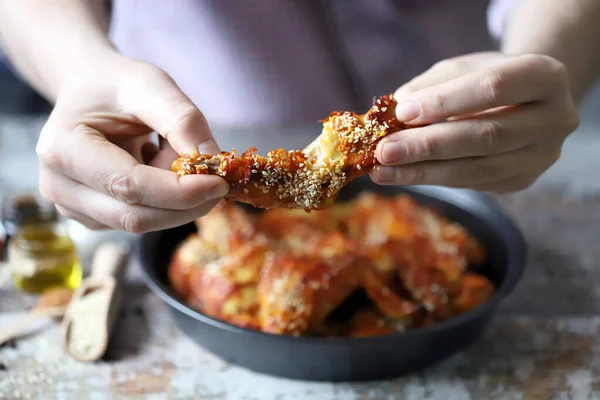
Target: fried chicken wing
[
  {"x": 388, "y": 302},
  {"x": 368, "y": 323},
  {"x": 226, "y": 227},
  {"x": 227, "y": 289},
  {"x": 188, "y": 262},
  {"x": 296, "y": 293},
  {"x": 308, "y": 179},
  {"x": 429, "y": 253},
  {"x": 297, "y": 230},
  {"x": 302, "y": 286},
  {"x": 278, "y": 221},
  {"x": 474, "y": 290}
]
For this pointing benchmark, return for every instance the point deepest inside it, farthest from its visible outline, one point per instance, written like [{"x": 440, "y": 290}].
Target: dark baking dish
[{"x": 353, "y": 359}]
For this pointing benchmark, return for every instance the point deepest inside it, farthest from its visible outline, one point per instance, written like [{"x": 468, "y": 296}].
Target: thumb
[{"x": 156, "y": 100}]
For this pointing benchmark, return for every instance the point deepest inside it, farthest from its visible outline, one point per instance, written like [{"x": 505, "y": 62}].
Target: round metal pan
[{"x": 353, "y": 359}]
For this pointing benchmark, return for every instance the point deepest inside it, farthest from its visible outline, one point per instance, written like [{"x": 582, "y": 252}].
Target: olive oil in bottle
[{"x": 40, "y": 252}]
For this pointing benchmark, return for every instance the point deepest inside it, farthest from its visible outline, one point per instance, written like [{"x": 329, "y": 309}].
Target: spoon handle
[
  {"x": 17, "y": 327},
  {"x": 109, "y": 261}
]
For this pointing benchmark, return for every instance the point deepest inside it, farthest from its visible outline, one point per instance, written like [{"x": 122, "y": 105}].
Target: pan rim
[{"x": 482, "y": 207}]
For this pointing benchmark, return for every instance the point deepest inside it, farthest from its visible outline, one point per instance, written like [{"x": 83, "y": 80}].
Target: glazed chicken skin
[
  {"x": 287, "y": 272},
  {"x": 227, "y": 288},
  {"x": 427, "y": 252},
  {"x": 308, "y": 179},
  {"x": 187, "y": 263},
  {"x": 301, "y": 285}
]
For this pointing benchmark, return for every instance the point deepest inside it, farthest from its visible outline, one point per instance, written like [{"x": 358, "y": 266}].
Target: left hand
[{"x": 504, "y": 121}]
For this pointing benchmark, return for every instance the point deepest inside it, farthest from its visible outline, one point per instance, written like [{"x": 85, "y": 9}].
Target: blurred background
[{"x": 16, "y": 98}]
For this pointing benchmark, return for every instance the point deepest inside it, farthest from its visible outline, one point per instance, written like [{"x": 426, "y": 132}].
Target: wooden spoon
[
  {"x": 52, "y": 303},
  {"x": 93, "y": 310}
]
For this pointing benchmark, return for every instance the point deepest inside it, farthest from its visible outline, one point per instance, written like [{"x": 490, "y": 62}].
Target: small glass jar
[{"x": 40, "y": 252}]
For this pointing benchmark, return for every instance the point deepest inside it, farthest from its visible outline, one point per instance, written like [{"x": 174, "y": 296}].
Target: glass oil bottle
[{"x": 40, "y": 252}]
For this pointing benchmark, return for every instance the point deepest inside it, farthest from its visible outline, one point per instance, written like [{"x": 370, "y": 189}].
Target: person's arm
[
  {"x": 568, "y": 30},
  {"x": 50, "y": 41},
  {"x": 96, "y": 163}
]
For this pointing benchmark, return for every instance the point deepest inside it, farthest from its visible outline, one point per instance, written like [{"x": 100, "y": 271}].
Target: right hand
[{"x": 97, "y": 163}]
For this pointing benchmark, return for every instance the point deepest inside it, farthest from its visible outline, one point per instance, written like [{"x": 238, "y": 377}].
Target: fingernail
[
  {"x": 404, "y": 91},
  {"x": 392, "y": 152},
  {"x": 385, "y": 174},
  {"x": 217, "y": 191},
  {"x": 407, "y": 110}
]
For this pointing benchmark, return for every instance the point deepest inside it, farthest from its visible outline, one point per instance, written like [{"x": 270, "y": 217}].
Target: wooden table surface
[{"x": 544, "y": 342}]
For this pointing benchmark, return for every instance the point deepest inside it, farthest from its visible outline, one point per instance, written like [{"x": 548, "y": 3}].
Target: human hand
[
  {"x": 97, "y": 163},
  {"x": 503, "y": 123}
]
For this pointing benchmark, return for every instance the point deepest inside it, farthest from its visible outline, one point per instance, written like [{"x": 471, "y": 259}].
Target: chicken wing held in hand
[{"x": 308, "y": 179}]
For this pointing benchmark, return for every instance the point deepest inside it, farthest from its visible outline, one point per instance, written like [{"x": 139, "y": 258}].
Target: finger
[
  {"x": 462, "y": 172},
  {"x": 87, "y": 157},
  {"x": 111, "y": 212},
  {"x": 84, "y": 220},
  {"x": 161, "y": 156},
  {"x": 517, "y": 81},
  {"x": 441, "y": 72},
  {"x": 489, "y": 111},
  {"x": 165, "y": 157},
  {"x": 481, "y": 135},
  {"x": 156, "y": 100},
  {"x": 446, "y": 70}
]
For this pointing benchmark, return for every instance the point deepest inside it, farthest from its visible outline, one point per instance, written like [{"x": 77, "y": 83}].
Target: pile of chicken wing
[{"x": 370, "y": 266}]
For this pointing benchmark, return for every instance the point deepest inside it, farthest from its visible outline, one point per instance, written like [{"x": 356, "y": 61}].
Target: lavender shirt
[{"x": 286, "y": 62}]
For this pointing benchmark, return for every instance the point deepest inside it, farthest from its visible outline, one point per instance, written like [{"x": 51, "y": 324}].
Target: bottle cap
[{"x": 26, "y": 208}]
